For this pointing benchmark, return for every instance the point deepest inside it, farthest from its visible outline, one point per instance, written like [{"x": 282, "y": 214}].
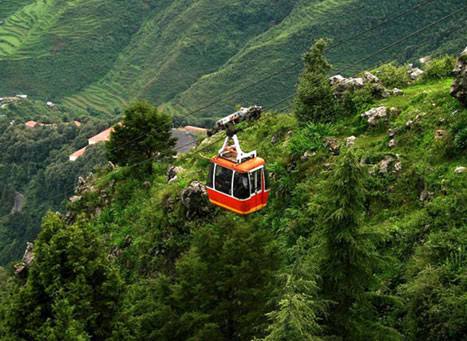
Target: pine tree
[
  {"x": 315, "y": 100},
  {"x": 296, "y": 317},
  {"x": 71, "y": 291},
  {"x": 144, "y": 134},
  {"x": 221, "y": 288},
  {"x": 349, "y": 255}
]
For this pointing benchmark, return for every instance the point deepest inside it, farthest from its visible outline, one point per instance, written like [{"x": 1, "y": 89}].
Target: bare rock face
[
  {"x": 26, "y": 262},
  {"x": 459, "y": 87},
  {"x": 195, "y": 200}
]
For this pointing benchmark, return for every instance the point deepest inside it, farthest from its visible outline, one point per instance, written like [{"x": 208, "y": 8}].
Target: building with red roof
[
  {"x": 32, "y": 124},
  {"x": 78, "y": 154},
  {"x": 101, "y": 137}
]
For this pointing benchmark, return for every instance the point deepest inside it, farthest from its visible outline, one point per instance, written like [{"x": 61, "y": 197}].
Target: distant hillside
[
  {"x": 35, "y": 175},
  {"x": 101, "y": 53}
]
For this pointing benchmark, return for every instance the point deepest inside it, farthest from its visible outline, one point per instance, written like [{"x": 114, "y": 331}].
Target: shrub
[
  {"x": 392, "y": 75},
  {"x": 439, "y": 68},
  {"x": 309, "y": 138},
  {"x": 145, "y": 134}
]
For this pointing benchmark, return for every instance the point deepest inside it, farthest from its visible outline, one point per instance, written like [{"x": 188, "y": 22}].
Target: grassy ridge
[{"x": 183, "y": 55}]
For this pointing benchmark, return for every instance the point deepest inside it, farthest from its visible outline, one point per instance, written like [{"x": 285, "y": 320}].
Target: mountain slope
[
  {"x": 183, "y": 54},
  {"x": 190, "y": 270}
]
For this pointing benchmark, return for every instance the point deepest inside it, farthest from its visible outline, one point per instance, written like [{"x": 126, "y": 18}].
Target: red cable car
[{"x": 238, "y": 181}]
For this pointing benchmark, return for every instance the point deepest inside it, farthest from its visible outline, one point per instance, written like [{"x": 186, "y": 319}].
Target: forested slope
[
  {"x": 135, "y": 260},
  {"x": 35, "y": 173},
  {"x": 100, "y": 54}
]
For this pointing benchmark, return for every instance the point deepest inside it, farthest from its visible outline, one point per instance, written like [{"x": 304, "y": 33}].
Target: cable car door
[{"x": 256, "y": 186}]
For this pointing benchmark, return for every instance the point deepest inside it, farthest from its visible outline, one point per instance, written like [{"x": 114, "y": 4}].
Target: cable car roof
[{"x": 243, "y": 167}]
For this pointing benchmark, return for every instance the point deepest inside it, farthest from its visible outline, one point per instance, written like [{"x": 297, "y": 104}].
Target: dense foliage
[
  {"x": 361, "y": 241},
  {"x": 144, "y": 134},
  {"x": 100, "y": 54},
  {"x": 35, "y": 173}
]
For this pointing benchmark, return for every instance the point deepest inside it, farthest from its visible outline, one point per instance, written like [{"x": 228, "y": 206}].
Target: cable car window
[
  {"x": 255, "y": 181},
  {"x": 223, "y": 180},
  {"x": 241, "y": 186},
  {"x": 211, "y": 173},
  {"x": 266, "y": 179}
]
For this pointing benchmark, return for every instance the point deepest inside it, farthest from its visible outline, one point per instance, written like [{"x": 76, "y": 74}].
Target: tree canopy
[{"x": 144, "y": 134}]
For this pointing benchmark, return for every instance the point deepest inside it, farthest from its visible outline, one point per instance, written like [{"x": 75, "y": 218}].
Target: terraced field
[{"x": 100, "y": 54}]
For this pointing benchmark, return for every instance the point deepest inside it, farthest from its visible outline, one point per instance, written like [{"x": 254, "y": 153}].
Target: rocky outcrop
[
  {"x": 459, "y": 87},
  {"x": 414, "y": 72},
  {"x": 441, "y": 134},
  {"x": 342, "y": 85},
  {"x": 173, "y": 172},
  {"x": 376, "y": 115},
  {"x": 390, "y": 164},
  {"x": 27, "y": 260},
  {"x": 18, "y": 203},
  {"x": 350, "y": 141},
  {"x": 392, "y": 143},
  {"x": 332, "y": 144},
  {"x": 195, "y": 200}
]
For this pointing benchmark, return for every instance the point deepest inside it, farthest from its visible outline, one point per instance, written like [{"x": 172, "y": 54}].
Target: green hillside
[
  {"x": 135, "y": 260},
  {"x": 35, "y": 174},
  {"x": 180, "y": 54}
]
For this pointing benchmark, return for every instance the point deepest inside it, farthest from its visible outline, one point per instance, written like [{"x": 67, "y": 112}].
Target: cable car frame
[{"x": 237, "y": 181}]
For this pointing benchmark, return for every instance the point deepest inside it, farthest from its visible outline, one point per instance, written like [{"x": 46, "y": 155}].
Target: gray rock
[
  {"x": 459, "y": 87},
  {"x": 334, "y": 80},
  {"x": 460, "y": 170},
  {"x": 375, "y": 115},
  {"x": 392, "y": 143},
  {"x": 195, "y": 200},
  {"x": 333, "y": 145},
  {"x": 397, "y": 92},
  {"x": 426, "y": 196},
  {"x": 27, "y": 260},
  {"x": 368, "y": 77},
  {"x": 425, "y": 59},
  {"x": 415, "y": 73},
  {"x": 441, "y": 134},
  {"x": 384, "y": 164},
  {"x": 350, "y": 141},
  {"x": 18, "y": 204},
  {"x": 75, "y": 198},
  {"x": 306, "y": 156},
  {"x": 173, "y": 172},
  {"x": 389, "y": 164}
]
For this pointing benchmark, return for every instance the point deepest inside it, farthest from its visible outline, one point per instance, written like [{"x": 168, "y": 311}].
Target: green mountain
[
  {"x": 183, "y": 55},
  {"x": 363, "y": 237}
]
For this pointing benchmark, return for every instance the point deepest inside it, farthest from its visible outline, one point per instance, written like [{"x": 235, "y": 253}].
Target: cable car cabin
[{"x": 238, "y": 181}]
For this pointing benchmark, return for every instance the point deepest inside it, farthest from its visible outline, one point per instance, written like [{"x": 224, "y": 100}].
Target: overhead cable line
[{"x": 333, "y": 46}]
